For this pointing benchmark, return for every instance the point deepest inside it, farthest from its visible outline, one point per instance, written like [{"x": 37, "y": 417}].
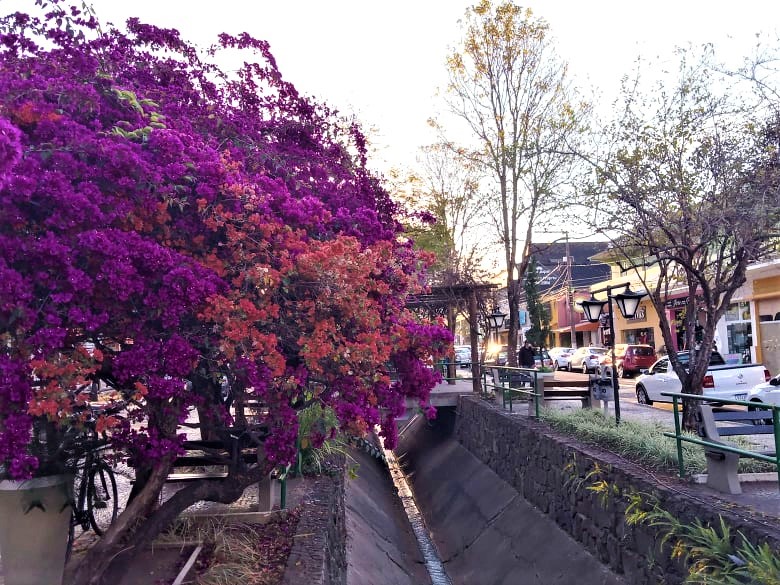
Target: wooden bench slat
[
  {"x": 742, "y": 415},
  {"x": 745, "y": 430},
  {"x": 194, "y": 476},
  {"x": 567, "y": 384}
]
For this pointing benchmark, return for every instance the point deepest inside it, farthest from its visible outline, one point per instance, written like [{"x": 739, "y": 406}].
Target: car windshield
[
  {"x": 715, "y": 359},
  {"x": 598, "y": 350}
]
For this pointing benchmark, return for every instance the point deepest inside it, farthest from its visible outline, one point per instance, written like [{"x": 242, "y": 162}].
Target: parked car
[
  {"x": 730, "y": 382},
  {"x": 497, "y": 356},
  {"x": 560, "y": 357},
  {"x": 587, "y": 359},
  {"x": 542, "y": 359},
  {"x": 463, "y": 355},
  {"x": 631, "y": 358},
  {"x": 768, "y": 392}
]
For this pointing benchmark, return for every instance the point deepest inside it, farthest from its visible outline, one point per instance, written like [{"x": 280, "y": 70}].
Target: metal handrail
[
  {"x": 508, "y": 392},
  {"x": 444, "y": 364},
  {"x": 679, "y": 438}
]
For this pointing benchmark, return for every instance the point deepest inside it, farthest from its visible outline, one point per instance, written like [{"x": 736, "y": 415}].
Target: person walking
[{"x": 525, "y": 356}]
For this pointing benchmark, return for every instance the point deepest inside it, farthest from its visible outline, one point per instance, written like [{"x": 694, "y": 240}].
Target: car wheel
[
  {"x": 642, "y": 397},
  {"x": 621, "y": 372},
  {"x": 584, "y": 368},
  {"x": 556, "y": 366}
]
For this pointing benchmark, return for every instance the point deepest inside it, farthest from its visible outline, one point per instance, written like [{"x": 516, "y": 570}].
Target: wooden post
[
  {"x": 452, "y": 368},
  {"x": 476, "y": 371},
  {"x": 265, "y": 494}
]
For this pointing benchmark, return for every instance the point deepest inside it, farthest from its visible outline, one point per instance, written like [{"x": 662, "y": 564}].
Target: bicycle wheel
[{"x": 102, "y": 502}]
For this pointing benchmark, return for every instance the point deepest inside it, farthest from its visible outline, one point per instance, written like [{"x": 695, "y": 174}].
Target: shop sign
[
  {"x": 681, "y": 302},
  {"x": 676, "y": 303},
  {"x": 640, "y": 315}
]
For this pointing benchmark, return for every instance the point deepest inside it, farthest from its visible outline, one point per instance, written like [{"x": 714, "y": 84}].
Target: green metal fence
[
  {"x": 679, "y": 437},
  {"x": 510, "y": 384}
]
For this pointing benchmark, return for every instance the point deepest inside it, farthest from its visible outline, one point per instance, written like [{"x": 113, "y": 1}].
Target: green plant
[
  {"x": 641, "y": 442},
  {"x": 712, "y": 556},
  {"x": 319, "y": 440}
]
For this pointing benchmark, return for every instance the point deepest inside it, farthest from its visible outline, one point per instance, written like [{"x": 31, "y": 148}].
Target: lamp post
[
  {"x": 496, "y": 320},
  {"x": 628, "y": 303}
]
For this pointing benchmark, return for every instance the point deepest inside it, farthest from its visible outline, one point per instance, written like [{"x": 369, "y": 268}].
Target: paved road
[{"x": 629, "y": 408}]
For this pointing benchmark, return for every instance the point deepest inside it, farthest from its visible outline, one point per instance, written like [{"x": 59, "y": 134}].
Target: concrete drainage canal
[{"x": 435, "y": 514}]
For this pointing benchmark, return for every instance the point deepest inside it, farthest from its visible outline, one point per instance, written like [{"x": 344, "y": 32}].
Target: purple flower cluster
[
  {"x": 15, "y": 423},
  {"x": 156, "y": 206}
]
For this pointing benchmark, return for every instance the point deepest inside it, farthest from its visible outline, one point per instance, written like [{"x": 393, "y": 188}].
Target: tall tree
[
  {"x": 445, "y": 193},
  {"x": 538, "y": 312},
  {"x": 512, "y": 91},
  {"x": 689, "y": 188}
]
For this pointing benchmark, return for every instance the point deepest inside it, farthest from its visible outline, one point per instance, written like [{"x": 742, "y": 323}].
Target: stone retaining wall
[
  {"x": 319, "y": 554},
  {"x": 553, "y": 472}
]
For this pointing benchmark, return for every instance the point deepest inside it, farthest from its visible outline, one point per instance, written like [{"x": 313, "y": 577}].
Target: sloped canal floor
[{"x": 486, "y": 533}]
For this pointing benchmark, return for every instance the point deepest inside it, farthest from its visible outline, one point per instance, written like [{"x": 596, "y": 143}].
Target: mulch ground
[{"x": 264, "y": 564}]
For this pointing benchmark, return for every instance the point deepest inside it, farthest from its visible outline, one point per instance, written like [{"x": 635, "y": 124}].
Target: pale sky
[{"x": 384, "y": 61}]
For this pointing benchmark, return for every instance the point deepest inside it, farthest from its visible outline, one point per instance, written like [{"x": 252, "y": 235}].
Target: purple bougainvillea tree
[{"x": 170, "y": 231}]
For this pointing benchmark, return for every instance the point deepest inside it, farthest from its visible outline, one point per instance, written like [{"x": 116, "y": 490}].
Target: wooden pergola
[{"x": 444, "y": 300}]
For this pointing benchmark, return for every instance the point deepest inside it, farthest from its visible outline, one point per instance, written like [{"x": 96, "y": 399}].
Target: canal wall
[
  {"x": 584, "y": 490},
  {"x": 506, "y": 500},
  {"x": 485, "y": 532}
]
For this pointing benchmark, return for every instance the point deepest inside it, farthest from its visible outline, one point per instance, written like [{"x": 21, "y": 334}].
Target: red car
[{"x": 631, "y": 358}]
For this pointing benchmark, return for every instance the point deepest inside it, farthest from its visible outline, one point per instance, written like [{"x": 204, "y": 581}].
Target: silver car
[
  {"x": 560, "y": 357},
  {"x": 587, "y": 359}
]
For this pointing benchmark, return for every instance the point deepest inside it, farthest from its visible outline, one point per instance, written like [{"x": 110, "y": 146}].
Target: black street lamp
[
  {"x": 628, "y": 303},
  {"x": 496, "y": 319}
]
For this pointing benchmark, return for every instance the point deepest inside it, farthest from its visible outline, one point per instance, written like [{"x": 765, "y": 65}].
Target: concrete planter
[{"x": 34, "y": 523}]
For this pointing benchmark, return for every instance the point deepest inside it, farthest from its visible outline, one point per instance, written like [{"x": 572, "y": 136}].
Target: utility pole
[{"x": 570, "y": 295}]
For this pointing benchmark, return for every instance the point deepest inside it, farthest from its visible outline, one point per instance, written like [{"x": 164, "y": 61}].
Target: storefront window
[
  {"x": 740, "y": 339},
  {"x": 738, "y": 312},
  {"x": 643, "y": 336}
]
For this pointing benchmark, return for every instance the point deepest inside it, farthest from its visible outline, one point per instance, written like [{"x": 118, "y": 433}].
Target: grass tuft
[
  {"x": 250, "y": 554},
  {"x": 642, "y": 442}
]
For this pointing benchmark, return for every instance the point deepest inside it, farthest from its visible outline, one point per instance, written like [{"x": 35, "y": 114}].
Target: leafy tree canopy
[{"x": 195, "y": 226}]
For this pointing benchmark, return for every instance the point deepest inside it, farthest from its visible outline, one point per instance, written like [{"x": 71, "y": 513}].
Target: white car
[
  {"x": 730, "y": 382},
  {"x": 560, "y": 357},
  {"x": 587, "y": 359},
  {"x": 768, "y": 392}
]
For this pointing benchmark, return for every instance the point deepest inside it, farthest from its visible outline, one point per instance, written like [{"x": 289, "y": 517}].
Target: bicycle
[{"x": 95, "y": 500}]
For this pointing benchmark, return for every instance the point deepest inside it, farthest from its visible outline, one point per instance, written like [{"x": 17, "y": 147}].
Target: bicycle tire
[
  {"x": 102, "y": 504},
  {"x": 71, "y": 538}
]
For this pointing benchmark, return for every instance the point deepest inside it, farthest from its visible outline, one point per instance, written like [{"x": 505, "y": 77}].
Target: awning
[{"x": 582, "y": 326}]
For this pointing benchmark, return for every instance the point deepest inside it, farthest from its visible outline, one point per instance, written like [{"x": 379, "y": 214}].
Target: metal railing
[
  {"x": 443, "y": 368},
  {"x": 509, "y": 384},
  {"x": 679, "y": 437}
]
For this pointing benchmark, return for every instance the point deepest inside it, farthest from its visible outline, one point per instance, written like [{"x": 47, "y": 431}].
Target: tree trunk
[
  {"x": 127, "y": 533},
  {"x": 97, "y": 559},
  {"x": 224, "y": 491},
  {"x": 514, "y": 320}
]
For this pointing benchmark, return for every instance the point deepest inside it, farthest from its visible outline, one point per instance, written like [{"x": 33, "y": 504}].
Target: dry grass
[{"x": 239, "y": 552}]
